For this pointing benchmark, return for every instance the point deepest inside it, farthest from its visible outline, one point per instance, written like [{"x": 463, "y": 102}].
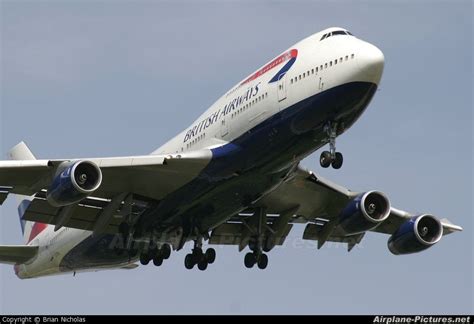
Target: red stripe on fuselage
[
  {"x": 36, "y": 229},
  {"x": 280, "y": 59}
]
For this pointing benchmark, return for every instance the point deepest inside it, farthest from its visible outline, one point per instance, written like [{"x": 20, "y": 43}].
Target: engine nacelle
[
  {"x": 415, "y": 235},
  {"x": 73, "y": 182},
  {"x": 365, "y": 212}
]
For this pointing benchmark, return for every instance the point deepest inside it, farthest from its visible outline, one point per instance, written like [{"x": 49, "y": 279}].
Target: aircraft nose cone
[{"x": 371, "y": 63}]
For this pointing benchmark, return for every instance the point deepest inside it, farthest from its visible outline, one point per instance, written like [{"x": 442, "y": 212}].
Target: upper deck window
[{"x": 334, "y": 33}]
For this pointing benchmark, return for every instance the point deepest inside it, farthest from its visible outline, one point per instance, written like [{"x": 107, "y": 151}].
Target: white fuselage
[{"x": 318, "y": 65}]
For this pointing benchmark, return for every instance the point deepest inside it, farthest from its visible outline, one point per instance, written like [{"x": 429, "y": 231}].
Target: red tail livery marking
[{"x": 36, "y": 229}]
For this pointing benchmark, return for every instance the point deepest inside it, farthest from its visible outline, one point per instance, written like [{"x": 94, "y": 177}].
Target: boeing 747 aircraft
[{"x": 232, "y": 177}]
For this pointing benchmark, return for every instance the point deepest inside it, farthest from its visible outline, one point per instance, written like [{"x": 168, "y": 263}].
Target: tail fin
[
  {"x": 29, "y": 229},
  {"x": 21, "y": 152}
]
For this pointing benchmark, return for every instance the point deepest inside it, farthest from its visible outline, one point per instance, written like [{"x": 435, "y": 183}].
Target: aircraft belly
[
  {"x": 243, "y": 170},
  {"x": 94, "y": 253}
]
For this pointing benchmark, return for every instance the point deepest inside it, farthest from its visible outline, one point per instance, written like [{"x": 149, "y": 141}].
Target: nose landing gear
[{"x": 331, "y": 157}]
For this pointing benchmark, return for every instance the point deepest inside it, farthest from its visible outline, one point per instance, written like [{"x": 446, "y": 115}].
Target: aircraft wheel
[
  {"x": 157, "y": 260},
  {"x": 253, "y": 244},
  {"x": 144, "y": 258},
  {"x": 202, "y": 265},
  {"x": 165, "y": 251},
  {"x": 249, "y": 260},
  {"x": 189, "y": 261},
  {"x": 262, "y": 261},
  {"x": 325, "y": 159},
  {"x": 337, "y": 163},
  {"x": 210, "y": 255}
]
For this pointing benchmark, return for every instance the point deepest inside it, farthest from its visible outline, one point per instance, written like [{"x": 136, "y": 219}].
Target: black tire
[
  {"x": 202, "y": 265},
  {"x": 210, "y": 255},
  {"x": 144, "y": 259},
  {"x": 157, "y": 261},
  {"x": 153, "y": 253},
  {"x": 268, "y": 245},
  {"x": 189, "y": 261},
  {"x": 165, "y": 251},
  {"x": 325, "y": 159},
  {"x": 249, "y": 260},
  {"x": 197, "y": 257},
  {"x": 253, "y": 244},
  {"x": 337, "y": 163},
  {"x": 262, "y": 261}
]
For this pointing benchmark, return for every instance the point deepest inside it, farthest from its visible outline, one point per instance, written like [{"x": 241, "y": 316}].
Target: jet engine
[
  {"x": 73, "y": 182},
  {"x": 365, "y": 212},
  {"x": 415, "y": 235}
]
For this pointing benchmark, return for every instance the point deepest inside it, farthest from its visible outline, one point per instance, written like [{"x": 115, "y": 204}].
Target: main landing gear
[
  {"x": 198, "y": 257},
  {"x": 256, "y": 243},
  {"x": 331, "y": 157},
  {"x": 256, "y": 257},
  {"x": 158, "y": 255}
]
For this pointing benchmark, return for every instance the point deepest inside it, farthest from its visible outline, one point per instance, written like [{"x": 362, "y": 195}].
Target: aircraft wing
[
  {"x": 152, "y": 176},
  {"x": 129, "y": 185},
  {"x": 307, "y": 198},
  {"x": 16, "y": 254}
]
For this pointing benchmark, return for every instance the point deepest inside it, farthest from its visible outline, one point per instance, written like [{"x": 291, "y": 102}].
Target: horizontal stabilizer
[{"x": 17, "y": 254}]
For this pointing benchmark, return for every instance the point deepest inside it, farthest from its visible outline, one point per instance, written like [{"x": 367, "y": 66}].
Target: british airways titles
[{"x": 217, "y": 115}]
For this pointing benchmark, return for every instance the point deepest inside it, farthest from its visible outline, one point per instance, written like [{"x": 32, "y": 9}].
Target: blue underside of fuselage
[{"x": 242, "y": 170}]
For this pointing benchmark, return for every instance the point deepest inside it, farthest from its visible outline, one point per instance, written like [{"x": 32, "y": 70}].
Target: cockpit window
[
  {"x": 338, "y": 32},
  {"x": 334, "y": 33}
]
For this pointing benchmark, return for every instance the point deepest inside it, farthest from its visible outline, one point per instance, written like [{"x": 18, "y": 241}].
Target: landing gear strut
[
  {"x": 331, "y": 157},
  {"x": 256, "y": 243},
  {"x": 198, "y": 257},
  {"x": 127, "y": 232}
]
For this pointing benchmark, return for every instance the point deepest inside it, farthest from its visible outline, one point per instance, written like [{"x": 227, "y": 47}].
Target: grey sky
[{"x": 108, "y": 78}]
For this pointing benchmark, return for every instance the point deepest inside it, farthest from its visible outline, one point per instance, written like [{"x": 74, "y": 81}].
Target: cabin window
[
  {"x": 335, "y": 61},
  {"x": 325, "y": 65},
  {"x": 347, "y": 57},
  {"x": 340, "y": 60},
  {"x": 352, "y": 56},
  {"x": 312, "y": 71}
]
